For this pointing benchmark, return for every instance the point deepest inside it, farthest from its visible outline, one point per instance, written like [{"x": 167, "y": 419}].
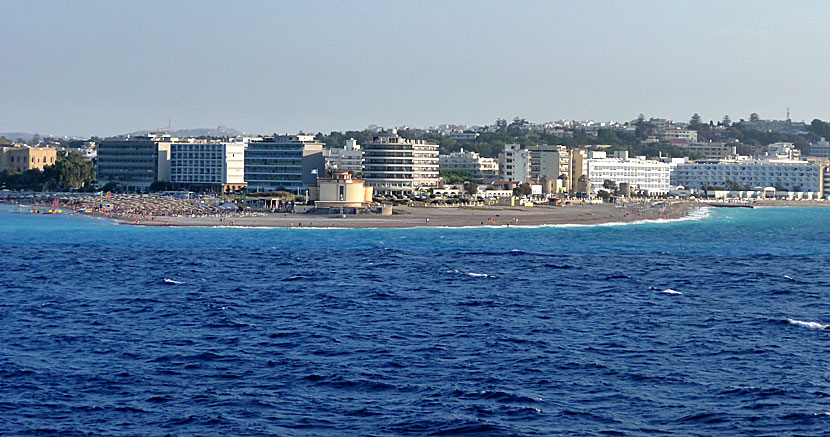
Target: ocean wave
[
  {"x": 169, "y": 281},
  {"x": 670, "y": 291},
  {"x": 473, "y": 274},
  {"x": 810, "y": 325}
]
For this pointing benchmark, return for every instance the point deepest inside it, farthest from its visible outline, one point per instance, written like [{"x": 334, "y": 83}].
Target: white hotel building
[
  {"x": 789, "y": 175},
  {"x": 209, "y": 165},
  {"x": 642, "y": 174},
  {"x": 470, "y": 162},
  {"x": 393, "y": 164},
  {"x": 514, "y": 164}
]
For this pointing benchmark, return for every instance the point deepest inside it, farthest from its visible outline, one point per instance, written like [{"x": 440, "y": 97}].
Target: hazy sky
[{"x": 110, "y": 67}]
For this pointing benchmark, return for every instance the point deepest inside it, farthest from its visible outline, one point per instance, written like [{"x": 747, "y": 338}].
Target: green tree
[
  {"x": 820, "y": 128},
  {"x": 610, "y": 185},
  {"x": 522, "y": 190},
  {"x": 457, "y": 177},
  {"x": 754, "y": 117},
  {"x": 71, "y": 171},
  {"x": 644, "y": 128},
  {"x": 726, "y": 121},
  {"x": 695, "y": 121},
  {"x": 471, "y": 188}
]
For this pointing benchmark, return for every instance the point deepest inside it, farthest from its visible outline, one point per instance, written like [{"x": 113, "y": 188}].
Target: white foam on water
[
  {"x": 172, "y": 282},
  {"x": 695, "y": 215},
  {"x": 478, "y": 275},
  {"x": 811, "y": 325},
  {"x": 670, "y": 291},
  {"x": 473, "y": 274}
]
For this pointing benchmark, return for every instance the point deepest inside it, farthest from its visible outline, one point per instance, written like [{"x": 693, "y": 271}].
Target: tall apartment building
[
  {"x": 470, "y": 162},
  {"x": 287, "y": 162},
  {"x": 208, "y": 165},
  {"x": 25, "y": 158},
  {"x": 578, "y": 171},
  {"x": 789, "y": 175},
  {"x": 548, "y": 162},
  {"x": 393, "y": 164},
  {"x": 653, "y": 177},
  {"x": 349, "y": 158},
  {"x": 134, "y": 163},
  {"x": 514, "y": 164}
]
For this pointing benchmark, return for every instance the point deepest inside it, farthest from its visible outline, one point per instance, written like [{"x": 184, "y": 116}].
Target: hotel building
[
  {"x": 470, "y": 162},
  {"x": 208, "y": 165},
  {"x": 640, "y": 173},
  {"x": 734, "y": 175},
  {"x": 393, "y": 164},
  {"x": 287, "y": 162},
  {"x": 134, "y": 163}
]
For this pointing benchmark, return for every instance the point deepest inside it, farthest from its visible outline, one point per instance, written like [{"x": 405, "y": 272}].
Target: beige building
[
  {"x": 548, "y": 162},
  {"x": 21, "y": 159},
  {"x": 341, "y": 191},
  {"x": 578, "y": 169}
]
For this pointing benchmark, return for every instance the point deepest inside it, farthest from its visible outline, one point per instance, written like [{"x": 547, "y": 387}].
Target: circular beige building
[{"x": 341, "y": 191}]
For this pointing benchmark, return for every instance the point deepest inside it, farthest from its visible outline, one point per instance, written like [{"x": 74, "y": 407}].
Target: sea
[{"x": 718, "y": 324}]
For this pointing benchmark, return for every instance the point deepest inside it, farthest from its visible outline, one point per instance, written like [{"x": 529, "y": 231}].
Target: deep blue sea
[{"x": 717, "y": 326}]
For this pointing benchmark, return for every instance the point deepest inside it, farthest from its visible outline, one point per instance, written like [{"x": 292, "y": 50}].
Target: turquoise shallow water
[{"x": 712, "y": 326}]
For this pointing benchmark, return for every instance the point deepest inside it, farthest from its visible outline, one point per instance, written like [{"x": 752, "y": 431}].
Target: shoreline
[
  {"x": 446, "y": 218},
  {"x": 491, "y": 216}
]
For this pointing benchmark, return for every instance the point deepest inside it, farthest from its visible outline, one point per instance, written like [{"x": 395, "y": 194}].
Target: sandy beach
[
  {"x": 409, "y": 217},
  {"x": 154, "y": 210}
]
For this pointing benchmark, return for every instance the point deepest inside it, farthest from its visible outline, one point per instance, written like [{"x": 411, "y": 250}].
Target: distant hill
[
  {"x": 13, "y": 136},
  {"x": 219, "y": 131}
]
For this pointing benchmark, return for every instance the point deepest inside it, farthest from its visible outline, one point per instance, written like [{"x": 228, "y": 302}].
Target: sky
[{"x": 111, "y": 67}]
